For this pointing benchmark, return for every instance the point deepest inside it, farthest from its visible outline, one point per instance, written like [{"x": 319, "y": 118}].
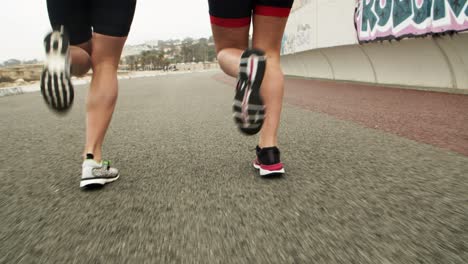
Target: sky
[{"x": 24, "y": 23}]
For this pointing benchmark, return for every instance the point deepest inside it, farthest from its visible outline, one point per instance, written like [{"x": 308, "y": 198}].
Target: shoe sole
[
  {"x": 97, "y": 181},
  {"x": 248, "y": 107},
  {"x": 268, "y": 173},
  {"x": 56, "y": 87}
]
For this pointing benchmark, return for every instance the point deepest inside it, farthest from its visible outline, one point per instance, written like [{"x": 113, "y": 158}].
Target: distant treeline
[
  {"x": 171, "y": 52},
  {"x": 15, "y": 62}
]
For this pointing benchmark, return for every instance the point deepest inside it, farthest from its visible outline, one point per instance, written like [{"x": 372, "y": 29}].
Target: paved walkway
[{"x": 188, "y": 194}]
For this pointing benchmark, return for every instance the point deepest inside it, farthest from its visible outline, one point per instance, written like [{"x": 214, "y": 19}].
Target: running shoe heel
[
  {"x": 248, "y": 108},
  {"x": 97, "y": 174},
  {"x": 268, "y": 162},
  {"x": 56, "y": 87}
]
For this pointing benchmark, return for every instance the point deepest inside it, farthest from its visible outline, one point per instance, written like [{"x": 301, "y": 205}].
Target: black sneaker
[
  {"x": 56, "y": 87},
  {"x": 268, "y": 162},
  {"x": 249, "y": 111}
]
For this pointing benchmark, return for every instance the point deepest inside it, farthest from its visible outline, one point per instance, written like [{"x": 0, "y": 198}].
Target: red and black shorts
[
  {"x": 83, "y": 17},
  {"x": 237, "y": 13}
]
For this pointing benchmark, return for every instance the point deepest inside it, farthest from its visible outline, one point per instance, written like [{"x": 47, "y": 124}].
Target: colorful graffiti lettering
[{"x": 396, "y": 19}]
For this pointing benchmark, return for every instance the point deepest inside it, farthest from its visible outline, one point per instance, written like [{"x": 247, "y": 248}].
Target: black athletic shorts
[
  {"x": 83, "y": 17},
  {"x": 237, "y": 13}
]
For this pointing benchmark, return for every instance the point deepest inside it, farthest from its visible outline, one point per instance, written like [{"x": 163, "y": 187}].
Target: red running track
[{"x": 435, "y": 118}]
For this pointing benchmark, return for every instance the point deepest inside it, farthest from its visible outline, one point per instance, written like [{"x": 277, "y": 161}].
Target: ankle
[
  {"x": 267, "y": 144},
  {"x": 91, "y": 156}
]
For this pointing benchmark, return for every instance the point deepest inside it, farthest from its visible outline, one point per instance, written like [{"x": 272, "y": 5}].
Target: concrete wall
[
  {"x": 320, "y": 41},
  {"x": 427, "y": 62},
  {"x": 317, "y": 24}
]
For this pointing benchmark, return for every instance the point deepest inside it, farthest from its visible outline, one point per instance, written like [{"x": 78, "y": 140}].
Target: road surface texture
[{"x": 366, "y": 182}]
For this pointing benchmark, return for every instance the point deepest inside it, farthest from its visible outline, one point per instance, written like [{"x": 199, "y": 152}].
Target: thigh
[
  {"x": 74, "y": 15},
  {"x": 113, "y": 17},
  {"x": 270, "y": 18},
  {"x": 230, "y": 23},
  {"x": 106, "y": 50},
  {"x": 268, "y": 33},
  {"x": 225, "y": 37}
]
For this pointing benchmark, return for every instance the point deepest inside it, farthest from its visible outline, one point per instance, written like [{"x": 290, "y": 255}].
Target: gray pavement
[{"x": 188, "y": 194}]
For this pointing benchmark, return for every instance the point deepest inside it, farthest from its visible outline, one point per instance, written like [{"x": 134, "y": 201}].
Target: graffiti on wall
[
  {"x": 298, "y": 33},
  {"x": 396, "y": 19},
  {"x": 298, "y": 4},
  {"x": 298, "y": 41}
]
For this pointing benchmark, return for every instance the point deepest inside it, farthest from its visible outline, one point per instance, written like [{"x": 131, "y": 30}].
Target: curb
[
  {"x": 11, "y": 91},
  {"x": 17, "y": 90}
]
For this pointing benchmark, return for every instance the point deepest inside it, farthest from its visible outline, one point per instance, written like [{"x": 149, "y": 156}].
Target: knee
[
  {"x": 220, "y": 54},
  {"x": 273, "y": 57},
  {"x": 106, "y": 66},
  {"x": 79, "y": 70},
  {"x": 81, "y": 61},
  {"x": 274, "y": 64},
  {"x": 105, "y": 62},
  {"x": 272, "y": 53},
  {"x": 274, "y": 73}
]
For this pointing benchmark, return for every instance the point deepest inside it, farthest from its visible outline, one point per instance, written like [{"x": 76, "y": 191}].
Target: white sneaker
[
  {"x": 95, "y": 173},
  {"x": 56, "y": 86}
]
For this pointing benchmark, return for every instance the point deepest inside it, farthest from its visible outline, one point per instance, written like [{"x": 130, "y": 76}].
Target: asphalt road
[{"x": 188, "y": 193}]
